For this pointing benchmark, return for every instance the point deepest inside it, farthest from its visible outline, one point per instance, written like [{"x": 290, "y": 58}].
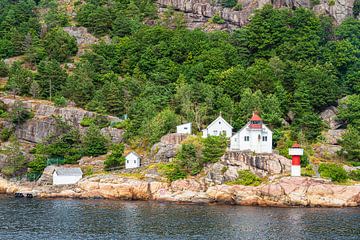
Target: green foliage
[
  {"x": 4, "y": 70},
  {"x": 99, "y": 121},
  {"x": 5, "y": 134},
  {"x": 229, "y": 3},
  {"x": 19, "y": 114},
  {"x": 331, "y": 2},
  {"x": 38, "y": 164},
  {"x": 356, "y": 8},
  {"x": 161, "y": 124},
  {"x": 116, "y": 158},
  {"x": 238, "y": 7},
  {"x": 59, "y": 45},
  {"x": 307, "y": 171},
  {"x": 333, "y": 171},
  {"x": 93, "y": 142},
  {"x": 314, "y": 2},
  {"x": 349, "y": 110},
  {"x": 189, "y": 159},
  {"x": 247, "y": 178},
  {"x": 3, "y": 110},
  {"x": 172, "y": 171},
  {"x": 15, "y": 159},
  {"x": 214, "y": 148},
  {"x": 217, "y": 19},
  {"x": 60, "y": 101},
  {"x": 350, "y": 144},
  {"x": 355, "y": 175},
  {"x": 19, "y": 79}
]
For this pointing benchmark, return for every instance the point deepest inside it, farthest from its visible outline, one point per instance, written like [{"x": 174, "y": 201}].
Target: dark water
[{"x": 104, "y": 219}]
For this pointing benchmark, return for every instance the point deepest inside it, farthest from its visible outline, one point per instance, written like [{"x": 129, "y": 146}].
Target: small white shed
[
  {"x": 132, "y": 160},
  {"x": 63, "y": 176},
  {"x": 184, "y": 128},
  {"x": 217, "y": 128}
]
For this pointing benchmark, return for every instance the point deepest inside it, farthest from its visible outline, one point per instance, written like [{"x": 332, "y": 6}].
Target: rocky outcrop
[
  {"x": 287, "y": 191},
  {"x": 43, "y": 123},
  {"x": 260, "y": 164},
  {"x": 197, "y": 12},
  {"x": 83, "y": 38},
  {"x": 166, "y": 149}
]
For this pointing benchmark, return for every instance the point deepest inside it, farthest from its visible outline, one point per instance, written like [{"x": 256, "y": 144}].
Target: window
[
  {"x": 134, "y": 161},
  {"x": 127, "y": 161},
  {"x": 215, "y": 132},
  {"x": 185, "y": 128},
  {"x": 235, "y": 139},
  {"x": 246, "y": 138},
  {"x": 219, "y": 122},
  {"x": 264, "y": 138}
]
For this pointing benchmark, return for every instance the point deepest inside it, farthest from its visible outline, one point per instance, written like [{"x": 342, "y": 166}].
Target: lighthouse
[{"x": 296, "y": 152}]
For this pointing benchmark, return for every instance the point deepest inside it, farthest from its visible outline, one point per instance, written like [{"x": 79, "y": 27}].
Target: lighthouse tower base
[{"x": 295, "y": 171}]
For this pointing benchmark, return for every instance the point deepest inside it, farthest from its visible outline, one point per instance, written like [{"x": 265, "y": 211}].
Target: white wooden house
[
  {"x": 132, "y": 160},
  {"x": 184, "y": 128},
  {"x": 254, "y": 136},
  {"x": 63, "y": 176},
  {"x": 217, "y": 128}
]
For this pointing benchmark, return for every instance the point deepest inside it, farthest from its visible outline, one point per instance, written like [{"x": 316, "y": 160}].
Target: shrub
[
  {"x": 60, "y": 101},
  {"x": 238, "y": 7},
  {"x": 331, "y": 2},
  {"x": 247, "y": 178},
  {"x": 214, "y": 148},
  {"x": 88, "y": 170},
  {"x": 116, "y": 158},
  {"x": 229, "y": 3},
  {"x": 38, "y": 164},
  {"x": 94, "y": 143},
  {"x": 307, "y": 171},
  {"x": 188, "y": 159},
  {"x": 172, "y": 171},
  {"x": 4, "y": 70},
  {"x": 350, "y": 143},
  {"x": 333, "y": 171},
  {"x": 217, "y": 19},
  {"x": 355, "y": 175},
  {"x": 87, "y": 121},
  {"x": 314, "y": 2},
  {"x": 19, "y": 114},
  {"x": 5, "y": 134}
]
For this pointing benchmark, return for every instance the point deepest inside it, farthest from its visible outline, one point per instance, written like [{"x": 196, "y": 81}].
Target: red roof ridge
[{"x": 255, "y": 117}]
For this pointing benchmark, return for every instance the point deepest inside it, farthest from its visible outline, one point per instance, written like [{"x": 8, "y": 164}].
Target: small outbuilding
[
  {"x": 184, "y": 128},
  {"x": 218, "y": 127},
  {"x": 132, "y": 160},
  {"x": 63, "y": 176}
]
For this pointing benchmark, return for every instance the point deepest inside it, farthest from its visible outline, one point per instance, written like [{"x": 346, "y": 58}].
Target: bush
[
  {"x": 38, "y": 164},
  {"x": 229, "y": 3},
  {"x": 217, "y": 19},
  {"x": 307, "y": 171},
  {"x": 60, "y": 101},
  {"x": 355, "y": 175},
  {"x": 19, "y": 114},
  {"x": 87, "y": 121},
  {"x": 172, "y": 171},
  {"x": 88, "y": 170},
  {"x": 5, "y": 134},
  {"x": 188, "y": 159},
  {"x": 247, "y": 178},
  {"x": 94, "y": 143},
  {"x": 4, "y": 70},
  {"x": 314, "y": 2},
  {"x": 214, "y": 148},
  {"x": 116, "y": 158},
  {"x": 238, "y": 7},
  {"x": 333, "y": 171},
  {"x": 331, "y": 2}
]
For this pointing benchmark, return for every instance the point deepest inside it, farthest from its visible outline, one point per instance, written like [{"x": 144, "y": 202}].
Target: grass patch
[{"x": 247, "y": 178}]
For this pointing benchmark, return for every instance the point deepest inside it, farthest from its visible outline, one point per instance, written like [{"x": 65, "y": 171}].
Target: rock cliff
[
  {"x": 43, "y": 122},
  {"x": 198, "y": 12},
  {"x": 287, "y": 191}
]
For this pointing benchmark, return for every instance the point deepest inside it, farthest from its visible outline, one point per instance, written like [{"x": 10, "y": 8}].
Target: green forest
[{"x": 289, "y": 65}]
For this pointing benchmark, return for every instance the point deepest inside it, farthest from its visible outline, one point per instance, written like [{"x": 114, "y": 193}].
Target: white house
[
  {"x": 254, "y": 136},
  {"x": 218, "y": 127},
  {"x": 184, "y": 128},
  {"x": 132, "y": 160},
  {"x": 62, "y": 176}
]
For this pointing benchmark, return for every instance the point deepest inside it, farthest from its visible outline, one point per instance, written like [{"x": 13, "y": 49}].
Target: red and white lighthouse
[{"x": 296, "y": 152}]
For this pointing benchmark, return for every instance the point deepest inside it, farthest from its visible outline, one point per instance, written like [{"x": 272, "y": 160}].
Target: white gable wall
[
  {"x": 63, "y": 179},
  {"x": 132, "y": 161},
  {"x": 184, "y": 128},
  {"x": 255, "y": 143},
  {"x": 218, "y": 127}
]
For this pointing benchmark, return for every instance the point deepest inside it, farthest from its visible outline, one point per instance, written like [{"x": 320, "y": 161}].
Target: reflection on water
[{"x": 105, "y": 219}]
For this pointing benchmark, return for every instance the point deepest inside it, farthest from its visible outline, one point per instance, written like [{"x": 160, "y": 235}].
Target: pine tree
[{"x": 94, "y": 143}]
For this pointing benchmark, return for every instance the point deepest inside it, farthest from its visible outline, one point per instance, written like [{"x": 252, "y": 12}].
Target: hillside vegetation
[{"x": 288, "y": 65}]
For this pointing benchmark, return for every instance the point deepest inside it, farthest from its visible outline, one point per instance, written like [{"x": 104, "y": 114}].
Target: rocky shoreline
[{"x": 282, "y": 192}]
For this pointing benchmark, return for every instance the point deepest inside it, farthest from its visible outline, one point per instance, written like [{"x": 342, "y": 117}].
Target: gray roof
[{"x": 69, "y": 172}]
